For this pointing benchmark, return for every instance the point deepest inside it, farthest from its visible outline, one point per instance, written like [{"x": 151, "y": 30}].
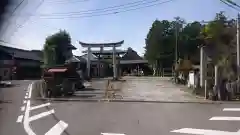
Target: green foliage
[
  {"x": 55, "y": 48},
  {"x": 160, "y": 41},
  {"x": 218, "y": 35},
  {"x": 189, "y": 39}
]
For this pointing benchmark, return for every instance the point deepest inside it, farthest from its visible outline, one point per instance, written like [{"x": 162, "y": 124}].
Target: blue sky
[{"x": 132, "y": 27}]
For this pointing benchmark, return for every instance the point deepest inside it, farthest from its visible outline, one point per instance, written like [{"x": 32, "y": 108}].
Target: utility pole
[
  {"x": 176, "y": 51},
  {"x": 238, "y": 48}
]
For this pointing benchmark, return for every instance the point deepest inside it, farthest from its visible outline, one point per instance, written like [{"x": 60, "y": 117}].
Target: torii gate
[{"x": 101, "y": 46}]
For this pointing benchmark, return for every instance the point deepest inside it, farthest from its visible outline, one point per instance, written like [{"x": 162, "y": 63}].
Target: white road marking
[
  {"x": 39, "y": 106},
  {"x": 22, "y": 108},
  {"x": 57, "y": 129},
  {"x": 111, "y": 134},
  {"x": 203, "y": 132},
  {"x": 19, "y": 119},
  {"x": 231, "y": 109},
  {"x": 225, "y": 118},
  {"x": 38, "y": 116},
  {"x": 26, "y": 116},
  {"x": 30, "y": 91},
  {"x": 24, "y": 101}
]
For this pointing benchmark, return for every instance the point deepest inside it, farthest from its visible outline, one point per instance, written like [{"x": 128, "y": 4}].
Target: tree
[
  {"x": 160, "y": 44},
  {"x": 55, "y": 48},
  {"x": 219, "y": 36},
  {"x": 189, "y": 41},
  {"x": 220, "y": 39}
]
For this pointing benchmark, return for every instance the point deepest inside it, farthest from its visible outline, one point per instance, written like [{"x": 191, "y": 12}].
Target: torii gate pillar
[
  {"x": 89, "y": 61},
  {"x": 114, "y": 64},
  {"x": 101, "y": 45}
]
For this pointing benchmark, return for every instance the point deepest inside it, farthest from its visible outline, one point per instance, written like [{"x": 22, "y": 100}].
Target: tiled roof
[
  {"x": 85, "y": 56},
  {"x": 77, "y": 59},
  {"x": 20, "y": 53},
  {"x": 131, "y": 55}
]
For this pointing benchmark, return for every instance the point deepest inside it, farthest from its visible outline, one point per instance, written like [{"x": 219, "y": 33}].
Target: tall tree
[
  {"x": 189, "y": 41},
  {"x": 219, "y": 36},
  {"x": 220, "y": 39},
  {"x": 159, "y": 43},
  {"x": 55, "y": 48}
]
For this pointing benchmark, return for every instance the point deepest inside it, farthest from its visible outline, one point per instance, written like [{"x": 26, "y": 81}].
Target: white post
[
  {"x": 114, "y": 63},
  {"x": 88, "y": 61},
  {"x": 238, "y": 48},
  {"x": 238, "y": 51},
  {"x": 202, "y": 67},
  {"x": 216, "y": 75},
  {"x": 206, "y": 92}
]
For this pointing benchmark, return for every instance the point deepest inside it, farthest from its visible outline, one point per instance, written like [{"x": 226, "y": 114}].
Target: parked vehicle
[{"x": 61, "y": 81}]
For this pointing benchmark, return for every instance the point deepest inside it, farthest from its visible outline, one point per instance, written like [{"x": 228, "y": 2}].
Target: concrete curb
[{"x": 134, "y": 101}]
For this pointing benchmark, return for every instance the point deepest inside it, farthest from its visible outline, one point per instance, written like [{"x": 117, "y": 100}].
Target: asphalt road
[
  {"x": 10, "y": 109},
  {"x": 142, "y": 118},
  {"x": 24, "y": 117}
]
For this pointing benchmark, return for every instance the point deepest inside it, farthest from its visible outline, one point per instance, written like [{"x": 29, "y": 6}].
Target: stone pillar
[
  {"x": 114, "y": 63},
  {"x": 88, "y": 61},
  {"x": 203, "y": 66}
]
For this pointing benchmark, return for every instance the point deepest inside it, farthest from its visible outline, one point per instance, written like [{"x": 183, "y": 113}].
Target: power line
[
  {"x": 20, "y": 26},
  {"x": 15, "y": 9},
  {"x": 230, "y": 5},
  {"x": 104, "y": 14},
  {"x": 109, "y": 13},
  {"x": 103, "y": 10},
  {"x": 8, "y": 20},
  {"x": 233, "y": 3},
  {"x": 110, "y": 8},
  {"x": 65, "y": 1}
]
